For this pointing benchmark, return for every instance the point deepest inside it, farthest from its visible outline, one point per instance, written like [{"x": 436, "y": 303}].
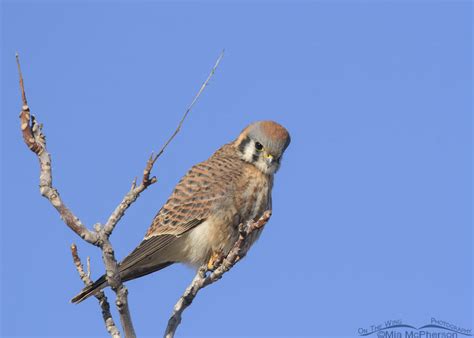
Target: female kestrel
[{"x": 200, "y": 220}]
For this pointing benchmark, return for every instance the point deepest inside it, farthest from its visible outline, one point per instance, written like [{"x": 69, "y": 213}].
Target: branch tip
[
  {"x": 134, "y": 183},
  {"x": 22, "y": 86},
  {"x": 190, "y": 107},
  {"x": 88, "y": 267}
]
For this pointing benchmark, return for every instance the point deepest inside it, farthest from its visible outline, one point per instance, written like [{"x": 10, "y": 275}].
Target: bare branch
[
  {"x": 146, "y": 180},
  {"x": 104, "y": 304},
  {"x": 36, "y": 141},
  {"x": 130, "y": 197},
  {"x": 77, "y": 262},
  {"x": 202, "y": 279},
  {"x": 88, "y": 267},
  {"x": 22, "y": 87},
  {"x": 193, "y": 102}
]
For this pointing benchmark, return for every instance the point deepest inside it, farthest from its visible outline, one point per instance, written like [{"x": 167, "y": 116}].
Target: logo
[{"x": 398, "y": 329}]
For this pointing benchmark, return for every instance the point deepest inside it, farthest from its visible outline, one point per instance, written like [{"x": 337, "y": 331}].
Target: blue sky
[{"x": 372, "y": 206}]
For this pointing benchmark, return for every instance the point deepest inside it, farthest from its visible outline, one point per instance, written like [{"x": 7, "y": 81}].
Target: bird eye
[{"x": 258, "y": 146}]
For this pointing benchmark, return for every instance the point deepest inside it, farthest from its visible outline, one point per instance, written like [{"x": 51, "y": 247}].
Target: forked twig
[
  {"x": 104, "y": 304},
  {"x": 36, "y": 142}
]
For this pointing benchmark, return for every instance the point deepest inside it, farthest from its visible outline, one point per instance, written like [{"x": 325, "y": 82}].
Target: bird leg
[{"x": 215, "y": 259}]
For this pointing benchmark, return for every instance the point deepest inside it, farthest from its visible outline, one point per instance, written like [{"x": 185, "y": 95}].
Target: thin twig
[
  {"x": 202, "y": 279},
  {"x": 104, "y": 304},
  {"x": 22, "y": 87},
  {"x": 196, "y": 97},
  {"x": 88, "y": 267}
]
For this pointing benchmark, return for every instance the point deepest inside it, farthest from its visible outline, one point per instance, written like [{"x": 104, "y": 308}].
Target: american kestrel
[{"x": 200, "y": 220}]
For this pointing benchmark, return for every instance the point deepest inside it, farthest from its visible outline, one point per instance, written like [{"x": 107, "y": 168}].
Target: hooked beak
[{"x": 269, "y": 158}]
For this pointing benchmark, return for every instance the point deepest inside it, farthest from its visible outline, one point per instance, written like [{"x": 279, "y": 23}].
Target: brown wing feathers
[
  {"x": 153, "y": 245},
  {"x": 192, "y": 201}
]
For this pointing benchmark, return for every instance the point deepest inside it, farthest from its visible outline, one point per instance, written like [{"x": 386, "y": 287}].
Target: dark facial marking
[
  {"x": 243, "y": 144},
  {"x": 255, "y": 157}
]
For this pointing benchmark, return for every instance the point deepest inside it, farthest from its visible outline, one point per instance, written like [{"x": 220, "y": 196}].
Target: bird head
[{"x": 263, "y": 143}]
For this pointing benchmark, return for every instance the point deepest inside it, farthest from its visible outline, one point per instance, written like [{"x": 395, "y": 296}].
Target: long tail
[
  {"x": 126, "y": 276},
  {"x": 90, "y": 290}
]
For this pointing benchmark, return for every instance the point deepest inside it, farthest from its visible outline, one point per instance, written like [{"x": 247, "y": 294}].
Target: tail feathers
[
  {"x": 90, "y": 290},
  {"x": 125, "y": 275}
]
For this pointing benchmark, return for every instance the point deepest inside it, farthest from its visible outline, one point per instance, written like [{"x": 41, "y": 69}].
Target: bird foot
[{"x": 215, "y": 260}]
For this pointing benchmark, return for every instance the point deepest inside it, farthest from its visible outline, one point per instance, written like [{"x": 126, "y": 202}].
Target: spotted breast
[{"x": 223, "y": 192}]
